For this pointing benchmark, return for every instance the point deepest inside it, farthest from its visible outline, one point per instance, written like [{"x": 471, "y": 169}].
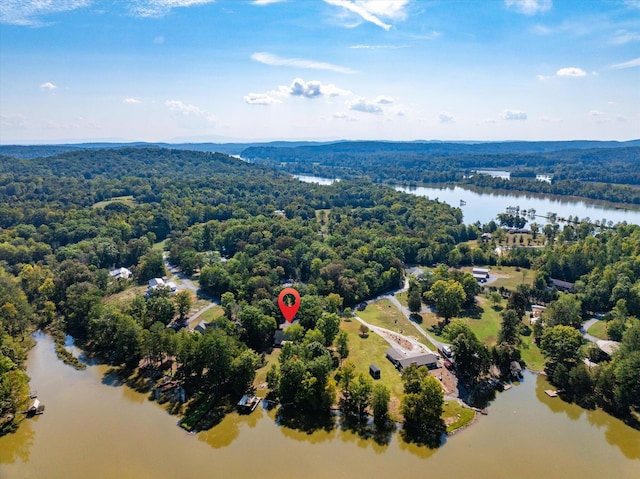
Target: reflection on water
[
  {"x": 18, "y": 447},
  {"x": 94, "y": 430}
]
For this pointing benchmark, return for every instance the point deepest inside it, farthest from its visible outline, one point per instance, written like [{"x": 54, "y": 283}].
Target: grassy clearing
[
  {"x": 456, "y": 416},
  {"x": 159, "y": 246},
  {"x": 482, "y": 318},
  {"x": 384, "y": 314},
  {"x": 371, "y": 350},
  {"x": 211, "y": 314},
  {"x": 487, "y": 326},
  {"x": 599, "y": 330},
  {"x": 260, "y": 380},
  {"x": 127, "y": 200},
  {"x": 513, "y": 278},
  {"x": 402, "y": 298},
  {"x": 125, "y": 296},
  {"x": 531, "y": 354}
]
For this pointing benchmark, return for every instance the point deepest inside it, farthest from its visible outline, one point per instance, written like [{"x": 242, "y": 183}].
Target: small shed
[
  {"x": 374, "y": 371},
  {"x": 516, "y": 369},
  {"x": 278, "y": 338}
]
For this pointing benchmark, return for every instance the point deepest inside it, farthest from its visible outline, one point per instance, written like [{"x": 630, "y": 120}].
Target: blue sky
[{"x": 201, "y": 70}]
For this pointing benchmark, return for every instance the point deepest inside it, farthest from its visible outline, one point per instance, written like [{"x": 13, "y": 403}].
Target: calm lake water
[
  {"x": 94, "y": 427},
  {"x": 484, "y": 206}
]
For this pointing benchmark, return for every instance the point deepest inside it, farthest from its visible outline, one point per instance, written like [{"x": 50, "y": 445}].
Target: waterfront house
[{"x": 401, "y": 360}]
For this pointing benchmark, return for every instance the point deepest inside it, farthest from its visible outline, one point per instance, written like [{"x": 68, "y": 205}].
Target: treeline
[{"x": 595, "y": 171}]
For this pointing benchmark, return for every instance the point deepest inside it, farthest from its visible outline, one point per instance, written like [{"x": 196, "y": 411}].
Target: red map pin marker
[{"x": 289, "y": 312}]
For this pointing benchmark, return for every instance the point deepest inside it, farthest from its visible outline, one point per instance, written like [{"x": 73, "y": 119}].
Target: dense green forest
[{"x": 246, "y": 230}]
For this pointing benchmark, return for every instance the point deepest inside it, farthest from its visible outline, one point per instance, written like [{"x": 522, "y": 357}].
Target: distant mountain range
[{"x": 260, "y": 149}]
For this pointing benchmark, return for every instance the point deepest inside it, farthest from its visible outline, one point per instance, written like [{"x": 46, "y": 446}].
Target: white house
[
  {"x": 155, "y": 283},
  {"x": 120, "y": 273}
]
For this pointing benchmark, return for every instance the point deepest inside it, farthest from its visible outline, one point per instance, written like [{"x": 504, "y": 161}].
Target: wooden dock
[
  {"x": 551, "y": 393},
  {"x": 248, "y": 404}
]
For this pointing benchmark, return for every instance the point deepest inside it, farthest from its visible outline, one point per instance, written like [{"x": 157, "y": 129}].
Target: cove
[
  {"x": 483, "y": 206},
  {"x": 94, "y": 427}
]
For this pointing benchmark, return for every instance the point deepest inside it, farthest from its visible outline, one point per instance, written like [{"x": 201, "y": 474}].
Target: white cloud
[
  {"x": 546, "y": 119},
  {"x": 312, "y": 89},
  {"x": 364, "y": 105},
  {"x": 630, "y": 64},
  {"x": 159, "y": 40},
  {"x": 266, "y": 2},
  {"x": 374, "y": 11},
  {"x": 511, "y": 115},
  {"x": 596, "y": 113},
  {"x": 260, "y": 99},
  {"x": 529, "y": 7},
  {"x": 571, "y": 72},
  {"x": 187, "y": 110},
  {"x": 622, "y": 37},
  {"x": 131, "y": 101},
  {"x": 446, "y": 118},
  {"x": 27, "y": 12},
  {"x": 158, "y": 8},
  {"x": 48, "y": 86},
  {"x": 275, "y": 60},
  {"x": 383, "y": 100},
  {"x": 344, "y": 116}
]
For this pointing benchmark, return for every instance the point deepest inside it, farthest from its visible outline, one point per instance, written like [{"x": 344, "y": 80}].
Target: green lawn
[
  {"x": 402, "y": 297},
  {"x": 385, "y": 314},
  {"x": 456, "y": 416},
  {"x": 211, "y": 314},
  {"x": 371, "y": 350},
  {"x": 483, "y": 320},
  {"x": 599, "y": 330},
  {"x": 127, "y": 200},
  {"x": 531, "y": 354},
  {"x": 159, "y": 246},
  {"x": 487, "y": 326}
]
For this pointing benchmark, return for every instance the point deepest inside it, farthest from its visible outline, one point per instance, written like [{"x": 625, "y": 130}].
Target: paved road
[
  {"x": 388, "y": 335},
  {"x": 186, "y": 283},
  {"x": 404, "y": 310},
  {"x": 607, "y": 346}
]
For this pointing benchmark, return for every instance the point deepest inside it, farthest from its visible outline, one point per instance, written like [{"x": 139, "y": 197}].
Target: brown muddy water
[{"x": 94, "y": 427}]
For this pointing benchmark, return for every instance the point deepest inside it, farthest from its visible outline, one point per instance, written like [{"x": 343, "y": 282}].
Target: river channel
[
  {"x": 94, "y": 427},
  {"x": 484, "y": 206}
]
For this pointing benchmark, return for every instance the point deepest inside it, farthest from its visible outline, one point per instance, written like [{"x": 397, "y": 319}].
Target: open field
[
  {"x": 127, "y": 200},
  {"x": 384, "y": 314},
  {"x": 599, "y": 330},
  {"x": 125, "y": 296},
  {"x": 487, "y": 326},
  {"x": 531, "y": 354},
  {"x": 211, "y": 314},
  {"x": 159, "y": 246},
  {"x": 371, "y": 350}
]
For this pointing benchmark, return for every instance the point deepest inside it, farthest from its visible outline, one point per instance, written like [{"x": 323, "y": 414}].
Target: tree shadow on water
[
  {"x": 431, "y": 437},
  {"x": 306, "y": 422},
  {"x": 367, "y": 429}
]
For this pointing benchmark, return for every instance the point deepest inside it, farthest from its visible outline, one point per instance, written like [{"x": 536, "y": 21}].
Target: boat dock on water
[{"x": 248, "y": 404}]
